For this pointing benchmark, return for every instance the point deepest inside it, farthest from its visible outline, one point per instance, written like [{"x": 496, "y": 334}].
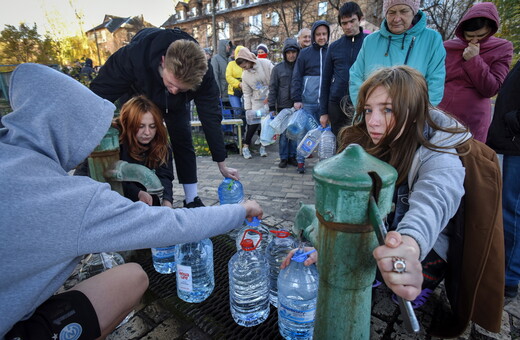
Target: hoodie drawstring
[
  {"x": 388, "y": 47},
  {"x": 409, "y": 50},
  {"x": 402, "y": 43}
]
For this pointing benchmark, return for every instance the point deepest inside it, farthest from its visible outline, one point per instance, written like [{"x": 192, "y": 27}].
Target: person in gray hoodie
[
  {"x": 219, "y": 63},
  {"x": 51, "y": 219}
]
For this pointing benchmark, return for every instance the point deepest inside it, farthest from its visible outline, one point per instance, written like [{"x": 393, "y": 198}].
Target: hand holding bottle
[
  {"x": 313, "y": 257},
  {"x": 253, "y": 209}
]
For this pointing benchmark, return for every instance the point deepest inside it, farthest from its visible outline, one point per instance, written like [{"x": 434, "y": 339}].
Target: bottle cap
[
  {"x": 247, "y": 243},
  {"x": 254, "y": 223},
  {"x": 280, "y": 233},
  {"x": 301, "y": 256}
]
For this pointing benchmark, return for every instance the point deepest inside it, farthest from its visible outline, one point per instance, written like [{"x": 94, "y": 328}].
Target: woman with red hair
[{"x": 144, "y": 140}]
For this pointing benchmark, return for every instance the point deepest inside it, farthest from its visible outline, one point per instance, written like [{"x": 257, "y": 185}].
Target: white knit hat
[{"x": 414, "y": 5}]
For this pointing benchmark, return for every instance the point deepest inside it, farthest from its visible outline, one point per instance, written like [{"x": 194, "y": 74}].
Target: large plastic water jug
[
  {"x": 256, "y": 225},
  {"x": 281, "y": 120},
  {"x": 276, "y": 251}
]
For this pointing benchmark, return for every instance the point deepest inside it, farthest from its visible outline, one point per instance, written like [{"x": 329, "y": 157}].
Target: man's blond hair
[{"x": 186, "y": 60}]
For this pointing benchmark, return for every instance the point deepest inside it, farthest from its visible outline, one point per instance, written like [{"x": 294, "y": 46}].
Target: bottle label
[
  {"x": 309, "y": 144},
  {"x": 184, "y": 278},
  {"x": 298, "y": 316}
]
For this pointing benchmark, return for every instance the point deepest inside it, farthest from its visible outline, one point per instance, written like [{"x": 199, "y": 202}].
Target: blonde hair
[
  {"x": 411, "y": 110},
  {"x": 187, "y": 61}
]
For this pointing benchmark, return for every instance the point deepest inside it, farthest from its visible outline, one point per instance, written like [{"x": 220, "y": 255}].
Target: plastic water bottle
[
  {"x": 281, "y": 120},
  {"x": 195, "y": 278},
  {"x": 255, "y": 116},
  {"x": 309, "y": 142},
  {"x": 249, "y": 284},
  {"x": 257, "y": 227},
  {"x": 311, "y": 123},
  {"x": 164, "y": 259},
  {"x": 267, "y": 132},
  {"x": 230, "y": 191},
  {"x": 296, "y": 128},
  {"x": 327, "y": 145},
  {"x": 281, "y": 244},
  {"x": 94, "y": 264},
  {"x": 297, "y": 297}
]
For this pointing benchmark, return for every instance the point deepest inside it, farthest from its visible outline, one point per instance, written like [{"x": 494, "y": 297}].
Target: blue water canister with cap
[
  {"x": 230, "y": 191},
  {"x": 195, "y": 275},
  {"x": 254, "y": 224},
  {"x": 163, "y": 259},
  {"x": 267, "y": 132},
  {"x": 297, "y": 298},
  {"x": 249, "y": 283},
  {"x": 276, "y": 251}
]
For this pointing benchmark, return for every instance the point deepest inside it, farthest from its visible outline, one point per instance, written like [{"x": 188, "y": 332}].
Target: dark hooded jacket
[
  {"x": 471, "y": 83},
  {"x": 341, "y": 55},
  {"x": 219, "y": 63},
  {"x": 306, "y": 80},
  {"x": 281, "y": 76},
  {"x": 134, "y": 69},
  {"x": 504, "y": 132}
]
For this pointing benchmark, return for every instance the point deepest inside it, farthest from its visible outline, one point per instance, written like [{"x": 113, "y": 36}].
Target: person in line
[
  {"x": 143, "y": 140},
  {"x": 396, "y": 123},
  {"x": 307, "y": 76},
  {"x": 262, "y": 51},
  {"x": 234, "y": 80},
  {"x": 171, "y": 69},
  {"x": 46, "y": 233},
  {"x": 280, "y": 98},
  {"x": 209, "y": 53},
  {"x": 403, "y": 39},
  {"x": 87, "y": 72},
  {"x": 304, "y": 38},
  {"x": 255, "y": 85},
  {"x": 477, "y": 63},
  {"x": 504, "y": 138},
  {"x": 219, "y": 63},
  {"x": 341, "y": 54}
]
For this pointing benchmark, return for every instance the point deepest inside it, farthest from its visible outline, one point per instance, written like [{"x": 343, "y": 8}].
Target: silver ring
[{"x": 399, "y": 265}]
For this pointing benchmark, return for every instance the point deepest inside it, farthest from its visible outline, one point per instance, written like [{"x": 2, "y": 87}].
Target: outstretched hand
[
  {"x": 253, "y": 209},
  {"x": 228, "y": 172},
  {"x": 408, "y": 283}
]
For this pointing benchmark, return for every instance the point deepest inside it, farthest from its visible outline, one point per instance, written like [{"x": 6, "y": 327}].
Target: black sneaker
[
  {"x": 293, "y": 161},
  {"x": 195, "y": 204},
  {"x": 283, "y": 163},
  {"x": 301, "y": 168}
]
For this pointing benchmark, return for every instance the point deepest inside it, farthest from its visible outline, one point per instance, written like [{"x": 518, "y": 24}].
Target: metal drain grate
[{"x": 213, "y": 315}]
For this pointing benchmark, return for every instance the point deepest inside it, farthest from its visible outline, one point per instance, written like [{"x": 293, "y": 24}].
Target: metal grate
[{"x": 213, "y": 315}]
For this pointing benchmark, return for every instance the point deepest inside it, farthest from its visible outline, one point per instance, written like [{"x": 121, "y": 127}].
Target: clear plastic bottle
[
  {"x": 94, "y": 264},
  {"x": 249, "y": 284},
  {"x": 281, "y": 120},
  {"x": 230, "y": 191},
  {"x": 281, "y": 244},
  {"x": 195, "y": 277},
  {"x": 296, "y": 128},
  {"x": 164, "y": 259},
  {"x": 327, "y": 145},
  {"x": 255, "y": 116},
  {"x": 267, "y": 132},
  {"x": 257, "y": 226},
  {"x": 309, "y": 142},
  {"x": 297, "y": 297}
]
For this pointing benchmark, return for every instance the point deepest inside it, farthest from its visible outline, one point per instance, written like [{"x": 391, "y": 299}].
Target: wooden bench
[{"x": 237, "y": 122}]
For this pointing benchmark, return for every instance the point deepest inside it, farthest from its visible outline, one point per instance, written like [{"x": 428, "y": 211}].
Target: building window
[
  {"x": 194, "y": 11},
  {"x": 322, "y": 8},
  {"x": 222, "y": 5},
  {"x": 275, "y": 19},
  {"x": 240, "y": 3},
  {"x": 182, "y": 16},
  {"x": 209, "y": 30},
  {"x": 223, "y": 30},
  {"x": 255, "y": 24},
  {"x": 297, "y": 15},
  {"x": 103, "y": 36},
  {"x": 196, "y": 32},
  {"x": 208, "y": 8}
]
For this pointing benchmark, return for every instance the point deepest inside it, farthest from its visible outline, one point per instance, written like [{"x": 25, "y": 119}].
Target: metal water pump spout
[
  {"x": 105, "y": 166},
  {"x": 346, "y": 239}
]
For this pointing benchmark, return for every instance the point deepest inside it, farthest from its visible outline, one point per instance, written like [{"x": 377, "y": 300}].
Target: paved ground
[{"x": 280, "y": 192}]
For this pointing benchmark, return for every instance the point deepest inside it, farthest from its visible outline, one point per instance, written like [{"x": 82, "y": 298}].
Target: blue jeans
[
  {"x": 511, "y": 210},
  {"x": 313, "y": 109},
  {"x": 286, "y": 147}
]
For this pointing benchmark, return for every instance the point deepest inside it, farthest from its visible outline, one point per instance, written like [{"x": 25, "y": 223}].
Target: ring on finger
[{"x": 399, "y": 265}]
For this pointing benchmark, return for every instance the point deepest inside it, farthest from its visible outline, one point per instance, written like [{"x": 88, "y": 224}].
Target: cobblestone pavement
[{"x": 280, "y": 191}]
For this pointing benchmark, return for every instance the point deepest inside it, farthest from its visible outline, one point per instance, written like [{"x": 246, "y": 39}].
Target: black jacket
[
  {"x": 504, "y": 132},
  {"x": 134, "y": 69},
  {"x": 280, "y": 83}
]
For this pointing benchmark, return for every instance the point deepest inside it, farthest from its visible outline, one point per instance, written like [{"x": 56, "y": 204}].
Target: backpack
[{"x": 475, "y": 275}]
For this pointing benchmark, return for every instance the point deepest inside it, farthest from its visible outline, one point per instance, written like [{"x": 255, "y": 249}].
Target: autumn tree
[
  {"x": 20, "y": 45},
  {"x": 509, "y": 12},
  {"x": 444, "y": 15}
]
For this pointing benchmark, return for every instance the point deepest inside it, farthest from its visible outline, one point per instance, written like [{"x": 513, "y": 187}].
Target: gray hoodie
[
  {"x": 219, "y": 63},
  {"x": 48, "y": 218},
  {"x": 436, "y": 181}
]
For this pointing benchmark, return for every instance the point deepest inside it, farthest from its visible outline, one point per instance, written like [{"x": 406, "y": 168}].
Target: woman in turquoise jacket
[{"x": 403, "y": 39}]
